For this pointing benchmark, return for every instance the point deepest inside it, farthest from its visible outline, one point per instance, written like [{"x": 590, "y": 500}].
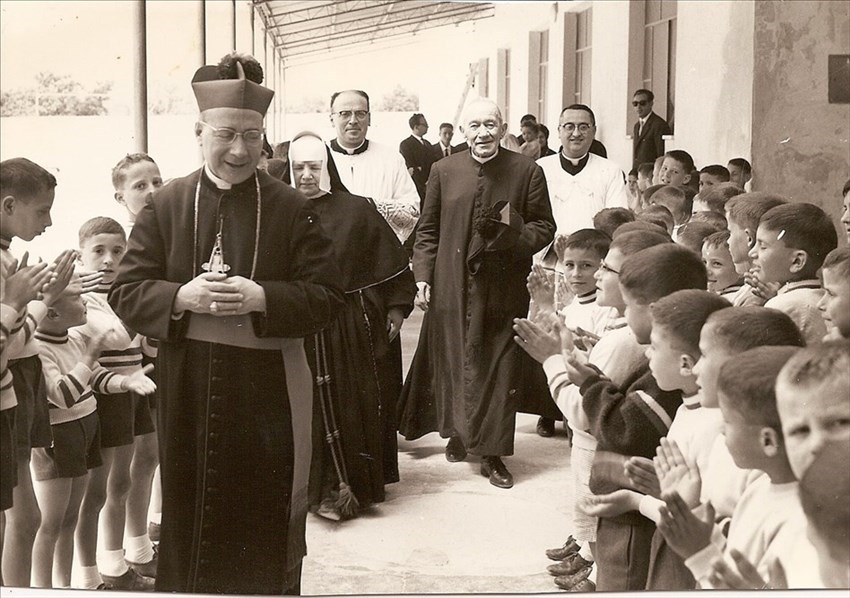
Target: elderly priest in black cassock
[
  {"x": 486, "y": 212},
  {"x": 229, "y": 268}
]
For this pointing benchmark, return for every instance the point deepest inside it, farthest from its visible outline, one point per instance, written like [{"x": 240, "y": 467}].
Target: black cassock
[
  {"x": 465, "y": 379},
  {"x": 376, "y": 276},
  {"x": 234, "y": 410}
]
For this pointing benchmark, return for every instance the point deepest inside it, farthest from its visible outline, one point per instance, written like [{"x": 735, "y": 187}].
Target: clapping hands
[{"x": 139, "y": 383}]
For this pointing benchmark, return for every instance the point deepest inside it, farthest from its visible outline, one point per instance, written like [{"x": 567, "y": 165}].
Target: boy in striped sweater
[
  {"x": 60, "y": 471},
  {"x": 122, "y": 416}
]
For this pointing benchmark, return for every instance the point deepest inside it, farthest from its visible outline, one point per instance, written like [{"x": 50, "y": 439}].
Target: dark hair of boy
[
  {"x": 825, "y": 496},
  {"x": 100, "y": 225},
  {"x": 846, "y": 188},
  {"x": 670, "y": 194},
  {"x": 716, "y": 170},
  {"x": 646, "y": 169},
  {"x": 739, "y": 329},
  {"x": 829, "y": 361},
  {"x": 650, "y": 191},
  {"x": 276, "y": 167},
  {"x": 119, "y": 170},
  {"x": 683, "y": 158},
  {"x": 633, "y": 172},
  {"x": 690, "y": 194},
  {"x": 446, "y": 126},
  {"x": 658, "y": 214},
  {"x": 533, "y": 127},
  {"x": 748, "y": 383},
  {"x": 692, "y": 234},
  {"x": 806, "y": 227},
  {"x": 629, "y": 243},
  {"x": 838, "y": 261},
  {"x": 589, "y": 239},
  {"x": 716, "y": 239},
  {"x": 22, "y": 179},
  {"x": 746, "y": 209},
  {"x": 640, "y": 225},
  {"x": 543, "y": 129},
  {"x": 415, "y": 119},
  {"x": 528, "y": 118},
  {"x": 715, "y": 220},
  {"x": 653, "y": 273},
  {"x": 609, "y": 220},
  {"x": 693, "y": 182},
  {"x": 716, "y": 196},
  {"x": 683, "y": 314},
  {"x": 742, "y": 164}
]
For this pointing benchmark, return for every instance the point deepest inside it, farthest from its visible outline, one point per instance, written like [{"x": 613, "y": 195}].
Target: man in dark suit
[
  {"x": 418, "y": 153},
  {"x": 647, "y": 143},
  {"x": 443, "y": 147}
]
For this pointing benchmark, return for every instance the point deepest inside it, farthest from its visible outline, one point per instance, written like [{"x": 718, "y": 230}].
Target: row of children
[
  {"x": 79, "y": 449},
  {"x": 665, "y": 365}
]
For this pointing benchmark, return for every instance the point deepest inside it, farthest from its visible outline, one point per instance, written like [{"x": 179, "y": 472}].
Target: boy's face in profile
[
  {"x": 638, "y": 317},
  {"x": 707, "y": 180},
  {"x": 673, "y": 173},
  {"x": 739, "y": 246},
  {"x": 633, "y": 184},
  {"x": 608, "y": 280},
  {"x": 812, "y": 416},
  {"x": 736, "y": 175},
  {"x": 643, "y": 182},
  {"x": 772, "y": 259},
  {"x": 712, "y": 356},
  {"x": 719, "y": 266},
  {"x": 835, "y": 302},
  {"x": 140, "y": 181},
  {"x": 742, "y": 437},
  {"x": 102, "y": 253},
  {"x": 27, "y": 218},
  {"x": 665, "y": 360},
  {"x": 580, "y": 265}
]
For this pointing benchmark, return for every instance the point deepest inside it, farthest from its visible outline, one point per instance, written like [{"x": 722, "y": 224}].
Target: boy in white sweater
[{"x": 71, "y": 374}]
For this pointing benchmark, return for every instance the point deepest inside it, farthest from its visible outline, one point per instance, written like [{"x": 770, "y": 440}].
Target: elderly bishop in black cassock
[{"x": 229, "y": 268}]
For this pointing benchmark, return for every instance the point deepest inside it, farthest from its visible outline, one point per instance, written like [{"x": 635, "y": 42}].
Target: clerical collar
[
  {"x": 219, "y": 183},
  {"x": 571, "y": 167},
  {"x": 483, "y": 160},
  {"x": 335, "y": 146}
]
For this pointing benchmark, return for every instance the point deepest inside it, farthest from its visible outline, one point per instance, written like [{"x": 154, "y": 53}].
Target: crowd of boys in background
[{"x": 695, "y": 342}]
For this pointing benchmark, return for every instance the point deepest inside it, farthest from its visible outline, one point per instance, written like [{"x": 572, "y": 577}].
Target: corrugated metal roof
[{"x": 303, "y": 28}]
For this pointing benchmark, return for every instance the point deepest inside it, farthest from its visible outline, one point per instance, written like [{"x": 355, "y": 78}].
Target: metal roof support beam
[
  {"x": 299, "y": 57},
  {"x": 315, "y": 10},
  {"x": 415, "y": 21},
  {"x": 389, "y": 17},
  {"x": 140, "y": 72}
]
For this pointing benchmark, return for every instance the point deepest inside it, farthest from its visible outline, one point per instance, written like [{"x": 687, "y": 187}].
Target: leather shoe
[
  {"x": 545, "y": 427},
  {"x": 584, "y": 586},
  {"x": 455, "y": 451},
  {"x": 499, "y": 475},
  {"x": 562, "y": 552},
  {"x": 567, "y": 582},
  {"x": 572, "y": 564}
]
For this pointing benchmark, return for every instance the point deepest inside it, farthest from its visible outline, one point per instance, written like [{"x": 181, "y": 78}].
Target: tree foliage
[
  {"x": 399, "y": 100},
  {"x": 55, "y": 95}
]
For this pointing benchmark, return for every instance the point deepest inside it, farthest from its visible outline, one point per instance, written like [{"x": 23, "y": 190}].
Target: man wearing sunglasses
[{"x": 647, "y": 143}]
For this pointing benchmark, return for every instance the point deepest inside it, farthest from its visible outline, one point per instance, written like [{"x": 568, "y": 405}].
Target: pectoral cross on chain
[{"x": 216, "y": 263}]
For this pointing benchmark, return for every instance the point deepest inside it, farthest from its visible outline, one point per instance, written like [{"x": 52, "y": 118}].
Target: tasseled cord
[{"x": 346, "y": 503}]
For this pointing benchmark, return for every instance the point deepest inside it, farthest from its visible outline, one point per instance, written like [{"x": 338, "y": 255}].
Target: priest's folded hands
[{"x": 220, "y": 295}]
